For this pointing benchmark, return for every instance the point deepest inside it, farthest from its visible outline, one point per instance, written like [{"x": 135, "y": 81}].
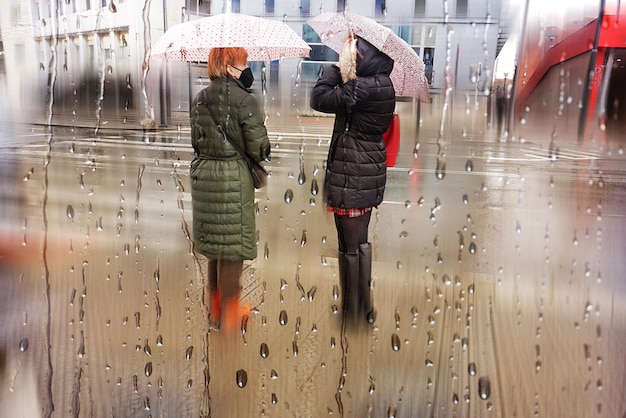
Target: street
[{"x": 498, "y": 278}]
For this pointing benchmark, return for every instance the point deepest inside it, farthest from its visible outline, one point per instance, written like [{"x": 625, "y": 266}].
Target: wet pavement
[{"x": 498, "y": 279}]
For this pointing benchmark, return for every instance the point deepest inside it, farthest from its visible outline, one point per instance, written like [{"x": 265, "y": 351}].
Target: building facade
[{"x": 90, "y": 58}]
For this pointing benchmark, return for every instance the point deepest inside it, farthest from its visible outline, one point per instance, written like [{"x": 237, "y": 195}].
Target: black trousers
[{"x": 352, "y": 231}]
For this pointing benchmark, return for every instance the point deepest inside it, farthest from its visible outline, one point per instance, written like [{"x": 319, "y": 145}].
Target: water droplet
[
  {"x": 472, "y": 248},
  {"x": 301, "y": 176},
  {"x": 23, "y": 344},
  {"x": 264, "y": 351},
  {"x": 288, "y": 196},
  {"x": 471, "y": 369},
  {"x": 395, "y": 342},
  {"x": 242, "y": 378},
  {"x": 189, "y": 352},
  {"x": 465, "y": 199},
  {"x": 416, "y": 150},
  {"x": 311, "y": 293},
  {"x": 440, "y": 169},
  {"x": 69, "y": 212},
  {"x": 446, "y": 279},
  {"x": 469, "y": 166},
  {"x": 314, "y": 187},
  {"x": 303, "y": 238},
  {"x": 148, "y": 369},
  {"x": 274, "y": 399},
  {"x": 484, "y": 387},
  {"x": 146, "y": 348},
  {"x": 282, "y": 317}
]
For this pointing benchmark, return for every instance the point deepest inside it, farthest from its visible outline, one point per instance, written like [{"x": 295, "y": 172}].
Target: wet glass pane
[{"x": 498, "y": 263}]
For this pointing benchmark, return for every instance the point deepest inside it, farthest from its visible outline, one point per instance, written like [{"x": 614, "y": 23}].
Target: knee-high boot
[
  {"x": 342, "y": 266},
  {"x": 351, "y": 298},
  {"x": 365, "y": 282}
]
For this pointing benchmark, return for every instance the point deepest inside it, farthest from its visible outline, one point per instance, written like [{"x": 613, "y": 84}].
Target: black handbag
[{"x": 257, "y": 171}]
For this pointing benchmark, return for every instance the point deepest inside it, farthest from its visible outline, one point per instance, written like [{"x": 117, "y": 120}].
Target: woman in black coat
[{"x": 359, "y": 92}]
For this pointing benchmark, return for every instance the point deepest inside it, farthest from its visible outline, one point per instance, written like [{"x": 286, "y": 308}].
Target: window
[
  {"x": 431, "y": 36},
  {"x": 461, "y": 8},
  {"x": 309, "y": 35},
  {"x": 16, "y": 15},
  {"x": 429, "y": 59},
  {"x": 417, "y": 35},
  {"x": 420, "y": 8},
  {"x": 341, "y": 5},
  {"x": 381, "y": 9},
  {"x": 236, "y": 6},
  {"x": 2, "y": 67},
  {"x": 200, "y": 7},
  {"x": 269, "y": 7},
  {"x": 305, "y": 7},
  {"x": 404, "y": 32}
]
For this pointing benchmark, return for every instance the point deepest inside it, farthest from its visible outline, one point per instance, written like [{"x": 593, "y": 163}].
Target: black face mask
[{"x": 246, "y": 77}]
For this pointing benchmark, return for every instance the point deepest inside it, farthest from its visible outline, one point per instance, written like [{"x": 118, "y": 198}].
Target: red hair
[{"x": 220, "y": 58}]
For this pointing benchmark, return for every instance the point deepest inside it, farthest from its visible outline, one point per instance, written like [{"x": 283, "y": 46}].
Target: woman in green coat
[{"x": 222, "y": 191}]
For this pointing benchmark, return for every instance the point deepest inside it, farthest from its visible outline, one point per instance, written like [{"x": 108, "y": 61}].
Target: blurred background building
[
  {"x": 90, "y": 58},
  {"x": 94, "y": 53}
]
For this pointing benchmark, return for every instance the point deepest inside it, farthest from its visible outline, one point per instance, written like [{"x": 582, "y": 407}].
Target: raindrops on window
[
  {"x": 241, "y": 378},
  {"x": 282, "y": 317},
  {"x": 484, "y": 387},
  {"x": 395, "y": 342},
  {"x": 288, "y": 197},
  {"x": 23, "y": 346}
]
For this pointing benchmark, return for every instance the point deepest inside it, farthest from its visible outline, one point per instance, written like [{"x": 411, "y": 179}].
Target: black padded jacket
[{"x": 356, "y": 169}]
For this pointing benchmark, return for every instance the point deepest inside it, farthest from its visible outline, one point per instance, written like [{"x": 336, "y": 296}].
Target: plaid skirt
[{"x": 351, "y": 213}]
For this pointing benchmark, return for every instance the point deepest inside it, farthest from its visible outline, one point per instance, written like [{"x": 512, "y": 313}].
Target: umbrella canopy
[
  {"x": 265, "y": 40},
  {"x": 408, "y": 70}
]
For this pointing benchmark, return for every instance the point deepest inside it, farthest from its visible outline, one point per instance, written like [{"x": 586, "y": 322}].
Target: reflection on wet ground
[{"x": 498, "y": 279}]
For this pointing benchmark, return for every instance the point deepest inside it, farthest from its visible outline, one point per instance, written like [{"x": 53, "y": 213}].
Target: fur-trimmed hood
[{"x": 362, "y": 59}]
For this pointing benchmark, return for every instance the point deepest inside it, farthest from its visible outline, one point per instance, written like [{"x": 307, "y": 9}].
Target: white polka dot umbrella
[
  {"x": 408, "y": 75},
  {"x": 264, "y": 39}
]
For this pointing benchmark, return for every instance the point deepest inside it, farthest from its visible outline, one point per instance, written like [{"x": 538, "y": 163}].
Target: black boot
[
  {"x": 351, "y": 291},
  {"x": 342, "y": 265},
  {"x": 365, "y": 282}
]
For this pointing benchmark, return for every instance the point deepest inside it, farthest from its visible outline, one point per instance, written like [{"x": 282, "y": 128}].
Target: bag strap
[{"x": 221, "y": 130}]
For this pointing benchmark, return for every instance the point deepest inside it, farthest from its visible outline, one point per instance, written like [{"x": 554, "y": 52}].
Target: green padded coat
[{"x": 222, "y": 192}]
